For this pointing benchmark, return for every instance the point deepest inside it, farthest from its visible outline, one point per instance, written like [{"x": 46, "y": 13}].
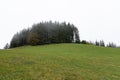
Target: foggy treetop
[{"x": 46, "y": 33}]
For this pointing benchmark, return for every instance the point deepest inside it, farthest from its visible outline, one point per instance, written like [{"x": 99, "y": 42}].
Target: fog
[{"x": 95, "y": 19}]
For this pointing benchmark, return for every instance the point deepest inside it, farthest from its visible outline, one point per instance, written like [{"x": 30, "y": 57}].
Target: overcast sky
[{"x": 95, "y": 19}]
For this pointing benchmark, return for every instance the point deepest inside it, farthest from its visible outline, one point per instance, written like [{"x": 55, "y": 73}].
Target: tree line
[
  {"x": 50, "y": 33},
  {"x": 100, "y": 43},
  {"x": 46, "y": 33}
]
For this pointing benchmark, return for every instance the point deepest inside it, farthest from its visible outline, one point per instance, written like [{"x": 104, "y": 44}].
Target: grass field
[{"x": 60, "y": 62}]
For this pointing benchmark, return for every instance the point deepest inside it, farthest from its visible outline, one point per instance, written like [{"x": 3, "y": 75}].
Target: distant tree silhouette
[
  {"x": 111, "y": 44},
  {"x": 101, "y": 43},
  {"x": 84, "y": 42},
  {"x": 97, "y": 43},
  {"x": 6, "y": 46}
]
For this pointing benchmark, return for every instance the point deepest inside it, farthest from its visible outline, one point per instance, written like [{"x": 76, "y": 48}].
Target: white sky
[{"x": 95, "y": 19}]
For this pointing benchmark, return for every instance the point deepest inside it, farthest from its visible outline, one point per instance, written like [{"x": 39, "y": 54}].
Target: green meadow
[{"x": 60, "y": 62}]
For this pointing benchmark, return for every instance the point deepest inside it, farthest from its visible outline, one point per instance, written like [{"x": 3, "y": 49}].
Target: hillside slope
[{"x": 60, "y": 62}]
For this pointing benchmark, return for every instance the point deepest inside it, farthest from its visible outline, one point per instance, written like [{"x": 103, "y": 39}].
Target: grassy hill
[{"x": 60, "y": 62}]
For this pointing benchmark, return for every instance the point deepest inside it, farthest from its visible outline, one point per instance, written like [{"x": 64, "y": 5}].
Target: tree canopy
[{"x": 46, "y": 33}]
